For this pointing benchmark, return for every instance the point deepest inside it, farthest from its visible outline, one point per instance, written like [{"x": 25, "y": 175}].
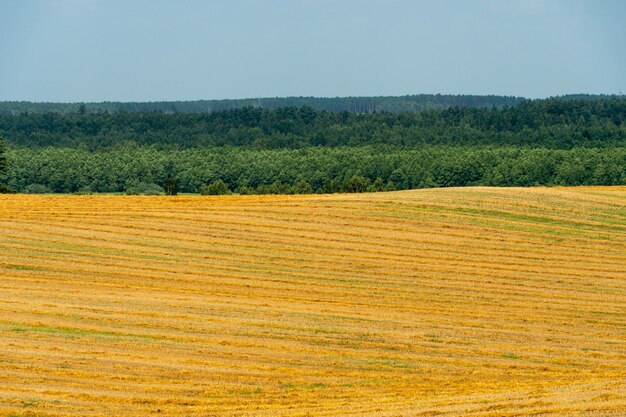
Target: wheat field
[{"x": 443, "y": 302}]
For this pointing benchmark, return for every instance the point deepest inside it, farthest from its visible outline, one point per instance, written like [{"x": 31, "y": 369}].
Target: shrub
[
  {"x": 4, "y": 189},
  {"x": 377, "y": 186},
  {"x": 356, "y": 184},
  {"x": 302, "y": 187},
  {"x": 144, "y": 188},
  {"x": 218, "y": 187},
  {"x": 276, "y": 187},
  {"x": 245, "y": 190},
  {"x": 84, "y": 191},
  {"x": 37, "y": 189},
  {"x": 331, "y": 186}
]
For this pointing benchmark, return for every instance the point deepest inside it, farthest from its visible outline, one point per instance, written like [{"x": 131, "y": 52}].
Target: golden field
[{"x": 443, "y": 302}]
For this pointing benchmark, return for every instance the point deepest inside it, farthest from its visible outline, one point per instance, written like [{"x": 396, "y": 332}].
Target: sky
[{"x": 154, "y": 50}]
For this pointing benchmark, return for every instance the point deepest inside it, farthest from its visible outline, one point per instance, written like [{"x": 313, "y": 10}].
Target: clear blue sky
[{"x": 147, "y": 50}]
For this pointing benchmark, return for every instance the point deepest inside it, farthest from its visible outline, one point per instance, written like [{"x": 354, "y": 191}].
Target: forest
[
  {"x": 409, "y": 103},
  {"x": 558, "y": 141}
]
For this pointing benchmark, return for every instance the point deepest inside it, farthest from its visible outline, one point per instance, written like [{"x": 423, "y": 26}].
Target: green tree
[
  {"x": 144, "y": 188},
  {"x": 3, "y": 170},
  {"x": 218, "y": 187},
  {"x": 377, "y": 186},
  {"x": 356, "y": 184},
  {"x": 331, "y": 186},
  {"x": 302, "y": 187},
  {"x": 171, "y": 187},
  {"x": 37, "y": 189},
  {"x": 3, "y": 159},
  {"x": 246, "y": 190}
]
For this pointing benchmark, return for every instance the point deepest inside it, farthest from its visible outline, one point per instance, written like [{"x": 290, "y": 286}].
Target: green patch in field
[
  {"x": 333, "y": 316},
  {"x": 536, "y": 224},
  {"x": 24, "y": 268},
  {"x": 325, "y": 331},
  {"x": 73, "y": 332},
  {"x": 27, "y": 414},
  {"x": 238, "y": 392},
  {"x": 510, "y": 356},
  {"x": 619, "y": 222},
  {"x": 30, "y": 403},
  {"x": 316, "y": 385},
  {"x": 390, "y": 363},
  {"x": 376, "y": 382},
  {"x": 100, "y": 251},
  {"x": 609, "y": 290},
  {"x": 433, "y": 338}
]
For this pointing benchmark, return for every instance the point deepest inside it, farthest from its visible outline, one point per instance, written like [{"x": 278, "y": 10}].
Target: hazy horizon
[
  {"x": 618, "y": 94},
  {"x": 95, "y": 51}
]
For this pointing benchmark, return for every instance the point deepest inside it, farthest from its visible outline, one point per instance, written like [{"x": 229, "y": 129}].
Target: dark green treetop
[
  {"x": 3, "y": 169},
  {"x": 3, "y": 159}
]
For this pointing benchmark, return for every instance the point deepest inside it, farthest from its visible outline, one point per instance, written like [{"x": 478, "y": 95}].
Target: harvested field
[{"x": 442, "y": 302}]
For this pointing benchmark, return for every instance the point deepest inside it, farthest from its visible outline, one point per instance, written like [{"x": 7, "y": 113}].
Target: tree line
[
  {"x": 3, "y": 168},
  {"x": 409, "y": 103},
  {"x": 553, "y": 123},
  {"x": 300, "y": 149},
  {"x": 149, "y": 170}
]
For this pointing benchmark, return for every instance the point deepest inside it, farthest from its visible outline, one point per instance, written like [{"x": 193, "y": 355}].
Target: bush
[
  {"x": 377, "y": 186},
  {"x": 218, "y": 187},
  {"x": 84, "y": 191},
  {"x": 390, "y": 186},
  {"x": 6, "y": 189},
  {"x": 302, "y": 187},
  {"x": 245, "y": 190},
  {"x": 276, "y": 187},
  {"x": 331, "y": 186},
  {"x": 37, "y": 189},
  {"x": 356, "y": 184},
  {"x": 144, "y": 188}
]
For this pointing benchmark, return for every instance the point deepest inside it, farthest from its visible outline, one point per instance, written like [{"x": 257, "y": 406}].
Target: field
[{"x": 442, "y": 302}]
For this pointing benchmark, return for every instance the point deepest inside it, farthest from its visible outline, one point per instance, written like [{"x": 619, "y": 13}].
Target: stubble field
[{"x": 443, "y": 302}]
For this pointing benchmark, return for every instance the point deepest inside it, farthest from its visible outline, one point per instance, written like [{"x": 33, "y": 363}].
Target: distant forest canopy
[
  {"x": 575, "y": 141},
  {"x": 393, "y": 104},
  {"x": 550, "y": 123},
  {"x": 147, "y": 170}
]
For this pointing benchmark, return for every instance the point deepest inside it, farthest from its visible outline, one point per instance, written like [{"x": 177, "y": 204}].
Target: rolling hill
[{"x": 449, "y": 302}]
